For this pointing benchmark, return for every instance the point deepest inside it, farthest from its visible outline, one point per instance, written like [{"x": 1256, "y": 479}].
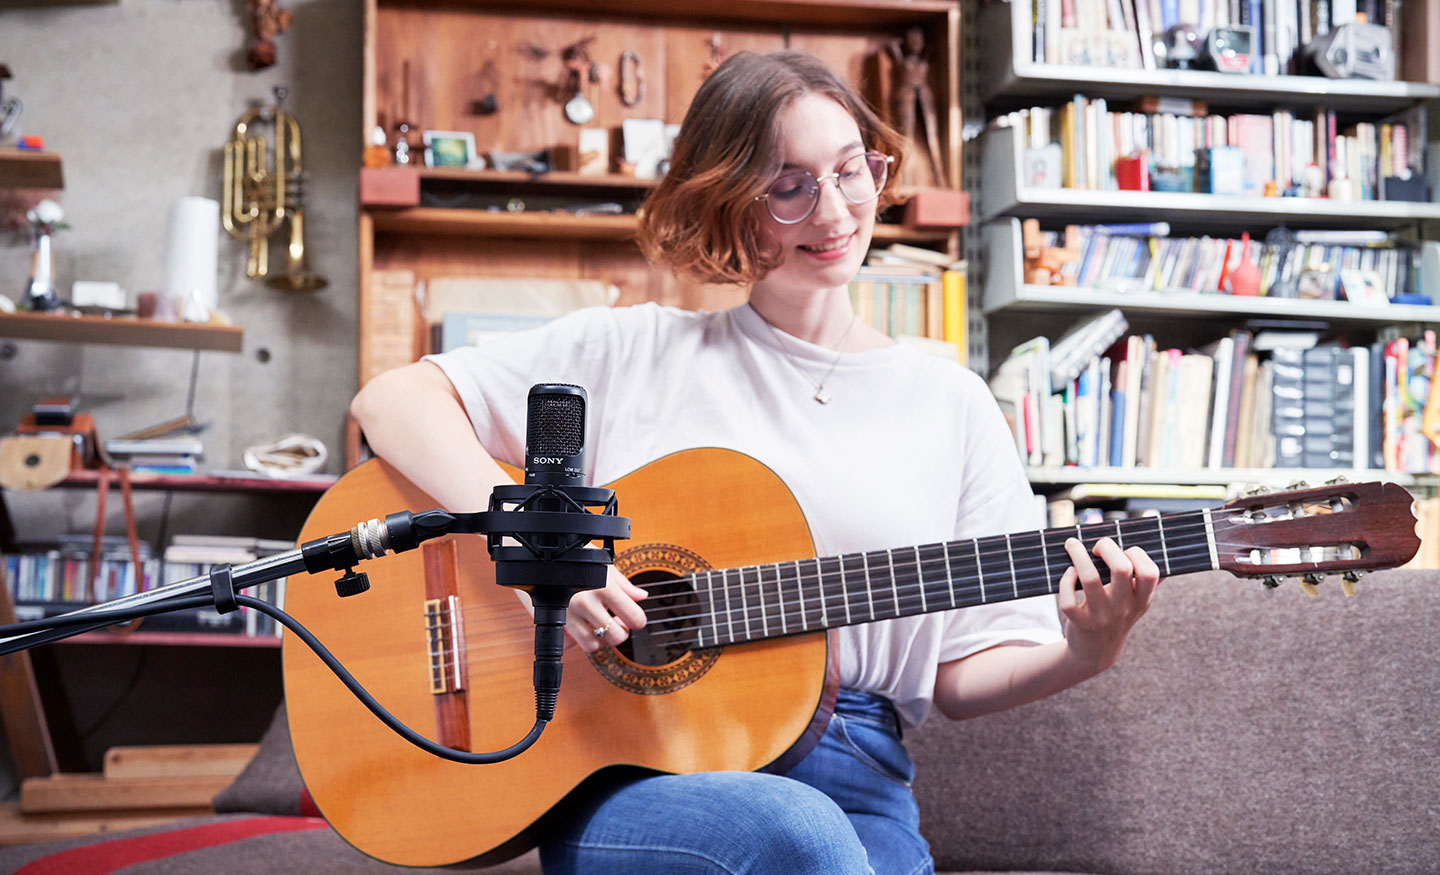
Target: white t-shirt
[{"x": 911, "y": 450}]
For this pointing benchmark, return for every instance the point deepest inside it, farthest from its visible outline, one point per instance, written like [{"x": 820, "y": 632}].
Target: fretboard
[{"x": 805, "y": 595}]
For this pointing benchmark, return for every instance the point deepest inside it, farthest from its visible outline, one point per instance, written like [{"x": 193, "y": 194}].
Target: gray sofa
[{"x": 1241, "y": 732}]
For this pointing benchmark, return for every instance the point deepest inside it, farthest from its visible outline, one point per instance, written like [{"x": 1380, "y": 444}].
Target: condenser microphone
[{"x": 555, "y": 435}]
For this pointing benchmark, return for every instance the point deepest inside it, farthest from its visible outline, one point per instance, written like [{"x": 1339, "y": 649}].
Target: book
[{"x": 1082, "y": 342}]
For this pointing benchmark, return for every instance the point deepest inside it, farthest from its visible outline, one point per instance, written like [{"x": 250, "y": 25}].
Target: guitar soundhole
[
  {"x": 662, "y": 657},
  {"x": 670, "y": 613}
]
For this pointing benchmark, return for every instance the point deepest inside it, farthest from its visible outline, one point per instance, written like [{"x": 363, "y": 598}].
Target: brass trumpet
[{"x": 259, "y": 198}]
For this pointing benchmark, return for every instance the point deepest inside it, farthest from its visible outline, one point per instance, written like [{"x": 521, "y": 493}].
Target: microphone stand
[{"x": 552, "y": 543}]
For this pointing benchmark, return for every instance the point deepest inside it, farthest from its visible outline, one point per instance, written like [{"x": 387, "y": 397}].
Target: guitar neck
[{"x": 757, "y": 602}]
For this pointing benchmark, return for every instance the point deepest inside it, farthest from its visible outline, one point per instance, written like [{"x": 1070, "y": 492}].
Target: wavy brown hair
[{"x": 700, "y": 220}]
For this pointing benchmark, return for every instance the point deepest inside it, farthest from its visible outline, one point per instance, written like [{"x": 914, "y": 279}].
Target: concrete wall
[{"x": 139, "y": 97}]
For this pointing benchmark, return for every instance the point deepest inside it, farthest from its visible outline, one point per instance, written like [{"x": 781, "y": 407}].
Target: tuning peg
[
  {"x": 1257, "y": 489},
  {"x": 1272, "y": 582},
  {"x": 1310, "y": 583},
  {"x": 1336, "y": 481},
  {"x": 1348, "y": 581},
  {"x": 1298, "y": 484}
]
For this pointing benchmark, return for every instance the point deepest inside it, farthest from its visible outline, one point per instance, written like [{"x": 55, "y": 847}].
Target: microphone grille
[{"x": 556, "y": 425}]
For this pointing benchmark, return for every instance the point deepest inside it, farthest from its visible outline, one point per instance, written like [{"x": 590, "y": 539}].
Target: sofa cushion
[
  {"x": 270, "y": 783},
  {"x": 1239, "y": 732},
  {"x": 222, "y": 845}
]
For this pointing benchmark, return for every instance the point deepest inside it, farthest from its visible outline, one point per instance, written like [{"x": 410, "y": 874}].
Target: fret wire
[
  {"x": 729, "y": 614},
  {"x": 844, "y": 590},
  {"x": 979, "y": 575},
  {"x": 920, "y": 572},
  {"x": 760, "y": 590},
  {"x": 870, "y": 590},
  {"x": 780, "y": 593},
  {"x": 820, "y": 577},
  {"x": 1010, "y": 554},
  {"x": 1164, "y": 551},
  {"x": 1045, "y": 555},
  {"x": 800, "y": 588},
  {"x": 949, "y": 574},
  {"x": 745, "y": 604}
]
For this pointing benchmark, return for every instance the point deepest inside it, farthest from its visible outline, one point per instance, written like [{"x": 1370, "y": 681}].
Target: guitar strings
[
  {"x": 672, "y": 589},
  {"x": 446, "y": 654},
  {"x": 912, "y": 580}
]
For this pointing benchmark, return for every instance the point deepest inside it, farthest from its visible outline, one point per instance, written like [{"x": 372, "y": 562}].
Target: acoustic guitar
[{"x": 733, "y": 670}]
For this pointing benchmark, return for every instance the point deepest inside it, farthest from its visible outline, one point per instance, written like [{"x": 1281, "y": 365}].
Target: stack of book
[
  {"x": 175, "y": 454},
  {"x": 1259, "y": 399}
]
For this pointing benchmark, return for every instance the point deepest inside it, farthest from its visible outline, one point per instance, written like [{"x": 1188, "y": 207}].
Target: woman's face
[{"x": 825, "y": 249}]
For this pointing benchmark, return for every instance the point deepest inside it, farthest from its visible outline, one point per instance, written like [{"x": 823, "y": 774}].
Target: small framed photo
[{"x": 450, "y": 149}]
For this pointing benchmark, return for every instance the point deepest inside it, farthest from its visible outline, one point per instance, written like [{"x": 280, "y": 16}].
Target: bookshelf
[
  {"x": 1005, "y": 194},
  {"x": 1005, "y": 293},
  {"x": 1002, "y": 75},
  {"x": 1011, "y": 79}
]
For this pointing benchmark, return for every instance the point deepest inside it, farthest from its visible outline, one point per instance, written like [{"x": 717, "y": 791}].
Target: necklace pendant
[{"x": 821, "y": 396}]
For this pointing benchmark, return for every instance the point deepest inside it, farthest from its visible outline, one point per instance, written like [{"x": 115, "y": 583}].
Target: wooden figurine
[
  {"x": 912, "y": 89},
  {"x": 1043, "y": 263},
  {"x": 267, "y": 20}
]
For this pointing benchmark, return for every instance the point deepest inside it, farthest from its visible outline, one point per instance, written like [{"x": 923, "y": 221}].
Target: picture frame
[{"x": 450, "y": 149}]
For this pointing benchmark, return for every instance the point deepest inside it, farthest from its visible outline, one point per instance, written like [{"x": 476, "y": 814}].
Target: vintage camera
[{"x": 1353, "y": 51}]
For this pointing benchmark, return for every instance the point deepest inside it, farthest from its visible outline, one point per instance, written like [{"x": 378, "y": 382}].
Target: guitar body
[{"x": 734, "y": 708}]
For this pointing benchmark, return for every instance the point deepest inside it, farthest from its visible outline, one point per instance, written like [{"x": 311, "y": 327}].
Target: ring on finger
[{"x": 601, "y": 630}]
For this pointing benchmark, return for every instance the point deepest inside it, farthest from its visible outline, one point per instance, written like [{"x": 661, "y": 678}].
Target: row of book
[
  {"x": 45, "y": 581},
  {"x": 1244, "y": 401},
  {"x": 1177, "y": 145},
  {"x": 916, "y": 296},
  {"x": 1366, "y": 267},
  {"x": 1122, "y": 33}
]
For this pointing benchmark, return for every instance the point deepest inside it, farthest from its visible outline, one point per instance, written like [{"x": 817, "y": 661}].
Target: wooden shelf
[
  {"x": 484, "y": 223},
  {"x": 864, "y": 13},
  {"x": 24, "y": 169},
  {"x": 554, "y": 179},
  {"x": 236, "y": 484},
  {"x": 1011, "y": 83},
  {"x": 1004, "y": 195},
  {"x": 173, "y": 639},
  {"x": 1005, "y": 293},
  {"x": 121, "y": 330},
  {"x": 1070, "y": 475}
]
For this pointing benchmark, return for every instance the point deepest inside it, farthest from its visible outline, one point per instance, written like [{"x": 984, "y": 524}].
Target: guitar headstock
[{"x": 1339, "y": 528}]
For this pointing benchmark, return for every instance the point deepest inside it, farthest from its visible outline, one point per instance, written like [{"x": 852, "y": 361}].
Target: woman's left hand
[{"x": 1098, "y": 620}]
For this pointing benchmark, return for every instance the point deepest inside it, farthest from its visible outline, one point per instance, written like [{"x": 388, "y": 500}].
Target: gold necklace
[{"x": 821, "y": 395}]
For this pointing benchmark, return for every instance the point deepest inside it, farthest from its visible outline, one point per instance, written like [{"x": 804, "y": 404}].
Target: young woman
[{"x": 774, "y": 182}]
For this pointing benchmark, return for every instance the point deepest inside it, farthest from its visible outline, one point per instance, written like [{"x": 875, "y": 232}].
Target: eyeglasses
[{"x": 792, "y": 197}]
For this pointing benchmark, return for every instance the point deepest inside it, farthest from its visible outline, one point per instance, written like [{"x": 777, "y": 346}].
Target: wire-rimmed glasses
[{"x": 792, "y": 197}]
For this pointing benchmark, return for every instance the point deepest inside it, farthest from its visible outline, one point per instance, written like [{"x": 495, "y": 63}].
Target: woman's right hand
[{"x": 612, "y": 608}]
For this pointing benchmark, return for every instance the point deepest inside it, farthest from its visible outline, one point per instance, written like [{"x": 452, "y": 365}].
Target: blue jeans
[{"x": 845, "y": 808}]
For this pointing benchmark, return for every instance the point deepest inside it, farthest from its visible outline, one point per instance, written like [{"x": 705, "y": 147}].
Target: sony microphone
[{"x": 555, "y": 435}]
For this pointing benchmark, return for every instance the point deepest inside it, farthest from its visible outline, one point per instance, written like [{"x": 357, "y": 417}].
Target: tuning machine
[
  {"x": 1348, "y": 581},
  {"x": 1310, "y": 583}
]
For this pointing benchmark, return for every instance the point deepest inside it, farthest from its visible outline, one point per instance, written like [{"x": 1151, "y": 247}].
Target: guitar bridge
[{"x": 445, "y": 633}]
